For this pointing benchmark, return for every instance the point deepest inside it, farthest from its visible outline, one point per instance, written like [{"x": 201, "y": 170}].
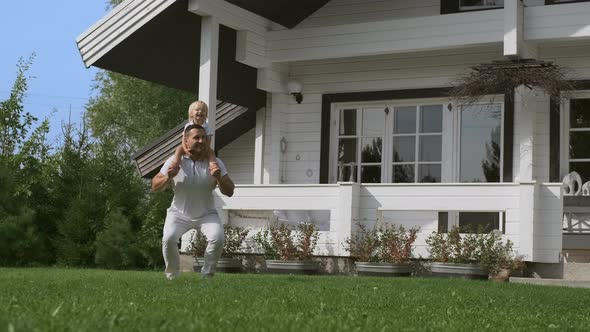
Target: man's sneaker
[{"x": 171, "y": 276}]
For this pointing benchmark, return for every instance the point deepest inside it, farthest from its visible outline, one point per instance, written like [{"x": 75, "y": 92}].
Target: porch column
[
  {"x": 515, "y": 47},
  {"x": 347, "y": 213},
  {"x": 208, "y": 68},
  {"x": 259, "y": 146},
  {"x": 273, "y": 167}
]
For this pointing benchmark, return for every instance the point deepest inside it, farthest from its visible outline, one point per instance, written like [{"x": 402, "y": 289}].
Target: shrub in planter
[
  {"x": 383, "y": 251},
  {"x": 471, "y": 256},
  {"x": 234, "y": 239},
  {"x": 289, "y": 249}
]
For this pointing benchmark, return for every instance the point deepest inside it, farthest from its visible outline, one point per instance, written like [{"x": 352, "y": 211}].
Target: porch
[{"x": 530, "y": 212}]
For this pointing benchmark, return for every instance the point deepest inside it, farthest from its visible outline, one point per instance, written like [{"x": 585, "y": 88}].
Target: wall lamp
[{"x": 295, "y": 88}]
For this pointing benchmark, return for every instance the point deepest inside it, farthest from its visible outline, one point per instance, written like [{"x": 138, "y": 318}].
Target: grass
[{"x": 52, "y": 299}]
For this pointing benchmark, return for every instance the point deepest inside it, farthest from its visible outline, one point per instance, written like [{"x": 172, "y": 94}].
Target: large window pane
[
  {"x": 480, "y": 143},
  {"x": 371, "y": 174},
  {"x": 404, "y": 121},
  {"x": 373, "y": 122},
  {"x": 371, "y": 150},
  {"x": 431, "y": 119},
  {"x": 428, "y": 173},
  {"x": 403, "y": 173},
  {"x": 347, "y": 122},
  {"x": 478, "y": 222},
  {"x": 430, "y": 148},
  {"x": 583, "y": 168},
  {"x": 404, "y": 149},
  {"x": 580, "y": 113},
  {"x": 347, "y": 150},
  {"x": 579, "y": 144}
]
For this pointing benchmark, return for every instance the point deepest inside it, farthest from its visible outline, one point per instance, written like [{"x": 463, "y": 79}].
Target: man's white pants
[{"x": 175, "y": 227}]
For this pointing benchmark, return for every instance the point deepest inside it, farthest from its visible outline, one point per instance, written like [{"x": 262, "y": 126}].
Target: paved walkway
[{"x": 552, "y": 282}]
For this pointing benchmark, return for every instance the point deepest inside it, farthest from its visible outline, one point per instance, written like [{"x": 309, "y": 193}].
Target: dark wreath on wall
[{"x": 502, "y": 77}]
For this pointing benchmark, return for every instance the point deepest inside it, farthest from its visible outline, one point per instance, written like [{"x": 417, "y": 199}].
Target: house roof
[
  {"x": 288, "y": 13},
  {"x": 159, "y": 41},
  {"x": 150, "y": 158}
]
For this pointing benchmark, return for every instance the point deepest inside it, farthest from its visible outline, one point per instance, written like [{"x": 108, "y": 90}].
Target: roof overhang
[{"x": 159, "y": 41}]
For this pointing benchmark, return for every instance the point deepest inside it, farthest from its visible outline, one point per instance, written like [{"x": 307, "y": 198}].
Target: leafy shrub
[
  {"x": 396, "y": 243},
  {"x": 234, "y": 238},
  {"x": 386, "y": 244},
  {"x": 21, "y": 243},
  {"x": 486, "y": 249},
  {"x": 288, "y": 243},
  {"x": 363, "y": 244},
  {"x": 114, "y": 246}
]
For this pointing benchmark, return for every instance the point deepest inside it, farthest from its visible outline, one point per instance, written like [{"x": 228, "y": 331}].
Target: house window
[
  {"x": 465, "y": 5},
  {"x": 360, "y": 144},
  {"x": 390, "y": 143},
  {"x": 578, "y": 158},
  {"x": 481, "y": 143},
  {"x": 417, "y": 143}
]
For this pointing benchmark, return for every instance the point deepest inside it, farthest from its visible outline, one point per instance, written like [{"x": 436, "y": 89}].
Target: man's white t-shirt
[{"x": 192, "y": 196}]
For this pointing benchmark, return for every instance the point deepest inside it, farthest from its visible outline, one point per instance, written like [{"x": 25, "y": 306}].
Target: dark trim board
[
  {"x": 508, "y": 148},
  {"x": 328, "y": 99},
  {"x": 552, "y": 2}
]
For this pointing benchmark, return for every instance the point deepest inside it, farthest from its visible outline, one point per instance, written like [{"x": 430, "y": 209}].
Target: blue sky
[{"x": 48, "y": 28}]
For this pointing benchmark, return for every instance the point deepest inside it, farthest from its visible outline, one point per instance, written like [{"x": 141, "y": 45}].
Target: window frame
[
  {"x": 387, "y": 157},
  {"x": 564, "y": 125}
]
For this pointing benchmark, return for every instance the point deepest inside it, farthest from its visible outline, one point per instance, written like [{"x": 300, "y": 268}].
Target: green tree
[
  {"x": 115, "y": 245},
  {"x": 134, "y": 112},
  {"x": 14, "y": 121}
]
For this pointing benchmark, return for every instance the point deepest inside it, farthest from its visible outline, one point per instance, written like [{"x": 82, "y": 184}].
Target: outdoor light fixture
[{"x": 295, "y": 88}]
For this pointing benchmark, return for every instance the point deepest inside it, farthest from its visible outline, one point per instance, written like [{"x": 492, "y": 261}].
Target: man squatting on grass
[{"x": 192, "y": 205}]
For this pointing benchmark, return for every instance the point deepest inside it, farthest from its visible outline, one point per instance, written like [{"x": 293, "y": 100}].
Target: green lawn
[{"x": 52, "y": 299}]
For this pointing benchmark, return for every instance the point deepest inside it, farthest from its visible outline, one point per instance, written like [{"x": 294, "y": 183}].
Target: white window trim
[
  {"x": 451, "y": 133},
  {"x": 446, "y": 163},
  {"x": 564, "y": 129}
]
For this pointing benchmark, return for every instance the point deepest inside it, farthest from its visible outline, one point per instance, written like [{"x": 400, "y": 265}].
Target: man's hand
[
  {"x": 173, "y": 171},
  {"x": 160, "y": 181}
]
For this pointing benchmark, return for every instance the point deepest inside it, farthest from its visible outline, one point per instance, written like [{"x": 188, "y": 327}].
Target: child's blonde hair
[{"x": 196, "y": 105}]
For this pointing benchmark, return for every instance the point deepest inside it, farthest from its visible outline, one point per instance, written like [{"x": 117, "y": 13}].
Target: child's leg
[
  {"x": 213, "y": 167},
  {"x": 178, "y": 155}
]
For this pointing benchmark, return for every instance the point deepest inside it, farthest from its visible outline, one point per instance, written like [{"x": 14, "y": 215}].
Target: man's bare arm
[
  {"x": 161, "y": 181},
  {"x": 226, "y": 185}
]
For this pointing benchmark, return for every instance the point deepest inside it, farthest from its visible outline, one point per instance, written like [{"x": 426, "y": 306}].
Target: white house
[{"x": 372, "y": 136}]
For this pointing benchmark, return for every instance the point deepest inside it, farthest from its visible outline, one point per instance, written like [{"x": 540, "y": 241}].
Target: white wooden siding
[
  {"x": 547, "y": 233},
  {"x": 338, "y": 12},
  {"x": 238, "y": 157},
  {"x": 557, "y": 22},
  {"x": 399, "y": 35}
]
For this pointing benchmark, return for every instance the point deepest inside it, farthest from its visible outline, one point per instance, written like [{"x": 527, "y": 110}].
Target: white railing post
[
  {"x": 528, "y": 193},
  {"x": 347, "y": 212}
]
